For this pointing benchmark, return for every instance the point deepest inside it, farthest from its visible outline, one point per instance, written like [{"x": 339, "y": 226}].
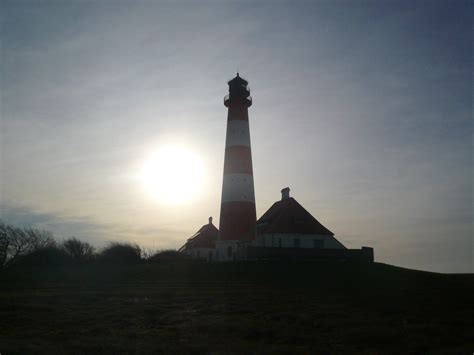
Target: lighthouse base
[{"x": 231, "y": 250}]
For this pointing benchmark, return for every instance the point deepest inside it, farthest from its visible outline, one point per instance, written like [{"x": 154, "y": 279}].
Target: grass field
[{"x": 189, "y": 307}]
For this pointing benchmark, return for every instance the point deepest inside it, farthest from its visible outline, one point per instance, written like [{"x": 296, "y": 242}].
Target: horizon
[{"x": 362, "y": 109}]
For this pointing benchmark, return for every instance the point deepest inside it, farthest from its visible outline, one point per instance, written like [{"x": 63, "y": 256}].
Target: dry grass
[{"x": 190, "y": 307}]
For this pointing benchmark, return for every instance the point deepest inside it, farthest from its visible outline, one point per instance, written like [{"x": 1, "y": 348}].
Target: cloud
[
  {"x": 62, "y": 227},
  {"x": 363, "y": 110},
  {"x": 86, "y": 229}
]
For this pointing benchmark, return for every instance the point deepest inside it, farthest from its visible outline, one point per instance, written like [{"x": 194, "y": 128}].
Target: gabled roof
[
  {"x": 288, "y": 216},
  {"x": 205, "y": 237}
]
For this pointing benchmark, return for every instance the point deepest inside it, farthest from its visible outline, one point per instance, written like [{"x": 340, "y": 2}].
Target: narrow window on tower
[
  {"x": 229, "y": 251},
  {"x": 296, "y": 243}
]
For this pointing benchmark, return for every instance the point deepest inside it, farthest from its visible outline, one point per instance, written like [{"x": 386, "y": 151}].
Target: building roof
[
  {"x": 205, "y": 237},
  {"x": 288, "y": 216}
]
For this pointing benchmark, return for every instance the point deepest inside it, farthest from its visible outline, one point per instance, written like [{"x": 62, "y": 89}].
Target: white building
[
  {"x": 288, "y": 225},
  {"x": 203, "y": 243}
]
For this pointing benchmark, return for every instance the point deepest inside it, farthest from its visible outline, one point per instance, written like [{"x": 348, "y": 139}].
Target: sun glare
[{"x": 173, "y": 174}]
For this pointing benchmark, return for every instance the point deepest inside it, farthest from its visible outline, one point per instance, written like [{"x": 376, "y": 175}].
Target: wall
[
  {"x": 307, "y": 241},
  {"x": 365, "y": 254},
  {"x": 202, "y": 253},
  {"x": 222, "y": 250}
]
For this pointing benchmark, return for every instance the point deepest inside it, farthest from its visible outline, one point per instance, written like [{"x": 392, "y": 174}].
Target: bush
[
  {"x": 78, "y": 251},
  {"x": 46, "y": 256},
  {"x": 167, "y": 256},
  {"x": 116, "y": 253}
]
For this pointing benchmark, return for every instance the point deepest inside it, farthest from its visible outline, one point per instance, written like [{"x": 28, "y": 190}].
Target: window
[
  {"x": 279, "y": 242},
  {"x": 296, "y": 242},
  {"x": 317, "y": 243},
  {"x": 198, "y": 254},
  {"x": 229, "y": 251}
]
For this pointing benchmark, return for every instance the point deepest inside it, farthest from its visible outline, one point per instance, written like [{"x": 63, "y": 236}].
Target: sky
[{"x": 362, "y": 108}]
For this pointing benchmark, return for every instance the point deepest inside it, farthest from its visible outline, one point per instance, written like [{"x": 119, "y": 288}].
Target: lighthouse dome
[{"x": 238, "y": 80}]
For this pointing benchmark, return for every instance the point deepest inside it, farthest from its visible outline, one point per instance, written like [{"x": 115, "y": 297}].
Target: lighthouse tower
[{"x": 237, "y": 225}]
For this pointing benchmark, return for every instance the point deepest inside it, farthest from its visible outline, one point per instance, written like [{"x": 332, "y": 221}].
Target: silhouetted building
[
  {"x": 285, "y": 231},
  {"x": 288, "y": 225},
  {"x": 238, "y": 215},
  {"x": 202, "y": 245}
]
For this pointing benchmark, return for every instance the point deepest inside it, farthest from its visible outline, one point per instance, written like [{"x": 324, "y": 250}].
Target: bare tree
[
  {"x": 4, "y": 243},
  {"x": 40, "y": 239},
  {"x": 15, "y": 242},
  {"x": 79, "y": 251}
]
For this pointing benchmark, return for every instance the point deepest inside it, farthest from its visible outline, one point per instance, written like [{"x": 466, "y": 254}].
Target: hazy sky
[{"x": 363, "y": 108}]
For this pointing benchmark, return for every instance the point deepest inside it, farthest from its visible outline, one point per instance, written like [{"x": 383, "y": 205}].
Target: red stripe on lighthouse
[
  {"x": 237, "y": 221},
  {"x": 238, "y": 160}
]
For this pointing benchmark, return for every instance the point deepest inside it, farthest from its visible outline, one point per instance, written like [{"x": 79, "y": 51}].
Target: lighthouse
[{"x": 237, "y": 225}]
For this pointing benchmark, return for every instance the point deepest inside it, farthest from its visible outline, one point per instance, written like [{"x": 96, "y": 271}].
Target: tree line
[{"x": 32, "y": 246}]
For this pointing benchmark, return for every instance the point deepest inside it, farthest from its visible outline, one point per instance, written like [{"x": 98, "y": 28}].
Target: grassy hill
[{"x": 195, "y": 307}]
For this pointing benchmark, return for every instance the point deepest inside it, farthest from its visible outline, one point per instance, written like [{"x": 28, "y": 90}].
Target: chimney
[
  {"x": 210, "y": 220},
  {"x": 285, "y": 193}
]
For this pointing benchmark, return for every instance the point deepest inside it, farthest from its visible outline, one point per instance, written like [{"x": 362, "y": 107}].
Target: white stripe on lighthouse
[
  {"x": 238, "y": 188},
  {"x": 238, "y": 133}
]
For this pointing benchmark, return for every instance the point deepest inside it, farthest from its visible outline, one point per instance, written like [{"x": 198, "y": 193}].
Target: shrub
[
  {"x": 50, "y": 255},
  {"x": 116, "y": 253},
  {"x": 78, "y": 251},
  {"x": 167, "y": 256}
]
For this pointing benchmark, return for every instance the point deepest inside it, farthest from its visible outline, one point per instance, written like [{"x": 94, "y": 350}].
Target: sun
[{"x": 173, "y": 174}]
